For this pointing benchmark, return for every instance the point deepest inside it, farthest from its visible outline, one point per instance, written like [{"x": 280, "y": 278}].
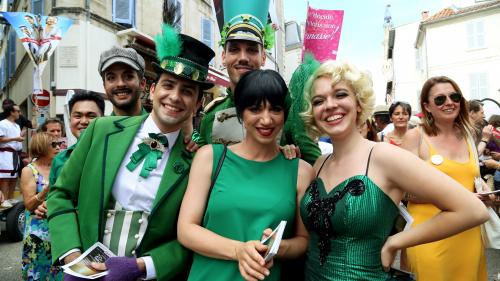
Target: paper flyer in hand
[
  {"x": 273, "y": 241},
  {"x": 403, "y": 221},
  {"x": 489, "y": 192},
  {"x": 81, "y": 267}
]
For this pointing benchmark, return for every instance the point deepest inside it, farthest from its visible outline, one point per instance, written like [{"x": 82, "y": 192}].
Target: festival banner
[
  {"x": 40, "y": 36},
  {"x": 322, "y": 33}
]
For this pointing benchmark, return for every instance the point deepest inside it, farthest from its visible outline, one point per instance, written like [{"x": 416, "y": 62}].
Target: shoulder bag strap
[{"x": 214, "y": 178}]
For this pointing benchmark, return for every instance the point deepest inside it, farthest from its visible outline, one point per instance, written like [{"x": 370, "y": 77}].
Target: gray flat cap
[{"x": 127, "y": 56}]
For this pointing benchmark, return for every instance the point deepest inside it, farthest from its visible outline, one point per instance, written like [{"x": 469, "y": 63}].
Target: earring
[{"x": 429, "y": 118}]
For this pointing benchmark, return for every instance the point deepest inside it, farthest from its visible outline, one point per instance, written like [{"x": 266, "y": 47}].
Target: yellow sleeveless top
[{"x": 457, "y": 258}]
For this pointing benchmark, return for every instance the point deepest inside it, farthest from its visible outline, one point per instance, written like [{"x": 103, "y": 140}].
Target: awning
[{"x": 145, "y": 44}]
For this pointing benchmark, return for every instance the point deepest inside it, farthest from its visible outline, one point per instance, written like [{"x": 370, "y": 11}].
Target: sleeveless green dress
[
  {"x": 248, "y": 197},
  {"x": 348, "y": 227}
]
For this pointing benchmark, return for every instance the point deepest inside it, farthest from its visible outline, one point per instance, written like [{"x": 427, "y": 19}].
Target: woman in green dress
[
  {"x": 256, "y": 188},
  {"x": 350, "y": 207}
]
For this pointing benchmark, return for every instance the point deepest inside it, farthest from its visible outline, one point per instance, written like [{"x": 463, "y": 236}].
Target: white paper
[
  {"x": 274, "y": 241},
  {"x": 406, "y": 215},
  {"x": 80, "y": 267}
]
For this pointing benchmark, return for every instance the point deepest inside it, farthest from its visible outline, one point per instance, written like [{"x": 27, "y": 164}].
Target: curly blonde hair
[{"x": 360, "y": 81}]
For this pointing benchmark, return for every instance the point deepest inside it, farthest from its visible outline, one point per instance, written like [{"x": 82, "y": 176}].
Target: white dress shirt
[{"x": 136, "y": 193}]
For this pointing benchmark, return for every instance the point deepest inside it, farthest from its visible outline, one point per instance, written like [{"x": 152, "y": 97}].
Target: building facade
[
  {"x": 461, "y": 43},
  {"x": 97, "y": 26}
]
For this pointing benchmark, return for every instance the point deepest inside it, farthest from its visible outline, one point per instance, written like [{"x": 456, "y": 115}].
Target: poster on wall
[{"x": 322, "y": 33}]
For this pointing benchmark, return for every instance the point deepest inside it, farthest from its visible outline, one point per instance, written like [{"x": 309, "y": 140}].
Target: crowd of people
[{"x": 174, "y": 202}]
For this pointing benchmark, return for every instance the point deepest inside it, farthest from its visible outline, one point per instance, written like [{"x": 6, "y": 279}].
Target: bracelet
[{"x": 38, "y": 198}]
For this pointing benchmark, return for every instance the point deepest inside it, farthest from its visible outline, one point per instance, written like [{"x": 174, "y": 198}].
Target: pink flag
[{"x": 322, "y": 34}]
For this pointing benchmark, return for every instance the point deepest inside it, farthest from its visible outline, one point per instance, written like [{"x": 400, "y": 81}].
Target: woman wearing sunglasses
[
  {"x": 351, "y": 206},
  {"x": 36, "y": 255},
  {"x": 442, "y": 141}
]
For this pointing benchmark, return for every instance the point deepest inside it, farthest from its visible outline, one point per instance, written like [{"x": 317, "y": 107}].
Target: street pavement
[{"x": 10, "y": 261}]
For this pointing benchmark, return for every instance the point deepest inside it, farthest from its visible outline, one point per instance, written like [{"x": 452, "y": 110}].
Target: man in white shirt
[
  {"x": 10, "y": 146},
  {"x": 127, "y": 175}
]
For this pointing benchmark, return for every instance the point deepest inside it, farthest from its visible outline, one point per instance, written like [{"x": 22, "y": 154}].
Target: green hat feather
[{"x": 168, "y": 43}]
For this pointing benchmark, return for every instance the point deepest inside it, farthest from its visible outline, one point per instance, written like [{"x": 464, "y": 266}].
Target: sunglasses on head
[
  {"x": 441, "y": 99},
  {"x": 56, "y": 144}
]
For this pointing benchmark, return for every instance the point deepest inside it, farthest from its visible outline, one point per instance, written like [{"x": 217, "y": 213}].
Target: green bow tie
[{"x": 151, "y": 150}]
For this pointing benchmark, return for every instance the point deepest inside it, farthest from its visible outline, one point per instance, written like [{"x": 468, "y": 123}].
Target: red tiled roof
[{"x": 448, "y": 12}]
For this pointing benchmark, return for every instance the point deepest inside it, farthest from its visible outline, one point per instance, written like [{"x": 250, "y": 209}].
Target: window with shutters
[
  {"x": 292, "y": 35},
  {"x": 11, "y": 52},
  {"x": 37, "y": 7},
  {"x": 207, "y": 34},
  {"x": 475, "y": 35},
  {"x": 478, "y": 85},
  {"x": 2, "y": 74},
  {"x": 124, "y": 12}
]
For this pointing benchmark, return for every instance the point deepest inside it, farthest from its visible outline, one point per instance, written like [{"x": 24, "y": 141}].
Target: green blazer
[{"x": 77, "y": 201}]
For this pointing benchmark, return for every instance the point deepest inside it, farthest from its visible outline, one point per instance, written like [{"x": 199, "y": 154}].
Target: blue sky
[{"x": 362, "y": 31}]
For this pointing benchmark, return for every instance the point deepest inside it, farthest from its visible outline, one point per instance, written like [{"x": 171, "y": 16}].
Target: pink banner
[{"x": 322, "y": 34}]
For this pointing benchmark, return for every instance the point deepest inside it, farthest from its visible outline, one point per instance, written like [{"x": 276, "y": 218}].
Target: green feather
[
  {"x": 268, "y": 36},
  {"x": 168, "y": 43}
]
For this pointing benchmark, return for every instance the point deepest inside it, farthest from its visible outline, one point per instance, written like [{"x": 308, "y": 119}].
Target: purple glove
[
  {"x": 122, "y": 269},
  {"x": 68, "y": 277}
]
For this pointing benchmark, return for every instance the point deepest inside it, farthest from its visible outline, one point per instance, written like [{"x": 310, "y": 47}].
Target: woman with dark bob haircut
[{"x": 250, "y": 186}]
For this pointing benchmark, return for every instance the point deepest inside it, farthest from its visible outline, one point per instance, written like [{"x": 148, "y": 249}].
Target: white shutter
[
  {"x": 478, "y": 85},
  {"x": 483, "y": 85},
  {"x": 207, "y": 32},
  {"x": 470, "y": 35},
  {"x": 292, "y": 34},
  {"x": 124, "y": 12},
  {"x": 2, "y": 74},
  {"x": 480, "y": 34},
  {"x": 11, "y": 64}
]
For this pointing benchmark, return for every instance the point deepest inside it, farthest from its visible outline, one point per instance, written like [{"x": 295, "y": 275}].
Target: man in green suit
[
  {"x": 124, "y": 182},
  {"x": 245, "y": 38}
]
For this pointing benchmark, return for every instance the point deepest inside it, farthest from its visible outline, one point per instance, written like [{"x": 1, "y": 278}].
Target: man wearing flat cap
[
  {"x": 124, "y": 182},
  {"x": 122, "y": 72},
  {"x": 245, "y": 37}
]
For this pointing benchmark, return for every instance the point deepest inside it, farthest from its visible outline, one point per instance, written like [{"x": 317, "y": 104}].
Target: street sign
[{"x": 41, "y": 99}]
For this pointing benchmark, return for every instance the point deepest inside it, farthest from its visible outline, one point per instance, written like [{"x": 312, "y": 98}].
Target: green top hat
[
  {"x": 183, "y": 56},
  {"x": 247, "y": 20}
]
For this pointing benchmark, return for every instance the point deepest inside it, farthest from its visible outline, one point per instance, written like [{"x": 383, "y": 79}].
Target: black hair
[
  {"x": 406, "y": 107},
  {"x": 8, "y": 108},
  {"x": 7, "y": 102},
  {"x": 88, "y": 95},
  {"x": 258, "y": 86}
]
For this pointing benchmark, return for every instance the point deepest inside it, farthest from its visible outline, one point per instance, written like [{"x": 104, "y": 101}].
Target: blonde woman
[
  {"x": 37, "y": 258},
  {"x": 350, "y": 207}
]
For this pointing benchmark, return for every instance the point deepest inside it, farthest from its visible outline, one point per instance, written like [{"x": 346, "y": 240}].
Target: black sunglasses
[
  {"x": 441, "y": 99},
  {"x": 56, "y": 144}
]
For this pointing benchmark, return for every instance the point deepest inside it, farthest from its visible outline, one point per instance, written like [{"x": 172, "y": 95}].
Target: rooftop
[{"x": 453, "y": 11}]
